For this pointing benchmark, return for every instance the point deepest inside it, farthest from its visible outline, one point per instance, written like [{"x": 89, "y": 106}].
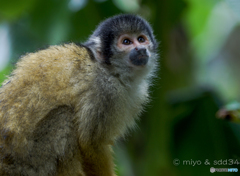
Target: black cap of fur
[{"x": 117, "y": 25}]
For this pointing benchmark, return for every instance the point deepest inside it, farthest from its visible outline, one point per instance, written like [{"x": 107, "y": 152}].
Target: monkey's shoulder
[
  {"x": 57, "y": 63},
  {"x": 48, "y": 75},
  {"x": 57, "y": 55}
]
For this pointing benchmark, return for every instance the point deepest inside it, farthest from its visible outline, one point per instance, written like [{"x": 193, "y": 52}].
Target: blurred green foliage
[{"x": 180, "y": 121}]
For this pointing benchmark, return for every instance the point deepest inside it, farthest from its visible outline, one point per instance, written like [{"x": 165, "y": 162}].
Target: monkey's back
[{"x": 44, "y": 82}]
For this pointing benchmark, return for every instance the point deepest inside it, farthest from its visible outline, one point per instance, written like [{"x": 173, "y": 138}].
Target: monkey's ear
[
  {"x": 94, "y": 44},
  {"x": 99, "y": 56}
]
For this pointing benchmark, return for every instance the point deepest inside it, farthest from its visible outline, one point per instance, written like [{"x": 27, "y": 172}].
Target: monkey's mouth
[
  {"x": 139, "y": 57},
  {"x": 140, "y": 60}
]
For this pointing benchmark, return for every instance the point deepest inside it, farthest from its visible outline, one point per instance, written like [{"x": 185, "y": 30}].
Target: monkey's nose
[{"x": 141, "y": 51}]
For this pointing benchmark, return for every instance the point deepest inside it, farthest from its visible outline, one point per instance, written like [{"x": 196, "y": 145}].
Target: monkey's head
[{"x": 124, "y": 41}]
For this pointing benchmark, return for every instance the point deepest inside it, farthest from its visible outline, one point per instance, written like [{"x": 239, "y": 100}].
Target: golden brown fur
[
  {"x": 42, "y": 91},
  {"x": 51, "y": 120},
  {"x": 63, "y": 107}
]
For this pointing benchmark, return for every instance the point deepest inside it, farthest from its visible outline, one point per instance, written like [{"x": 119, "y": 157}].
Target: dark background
[{"x": 200, "y": 57}]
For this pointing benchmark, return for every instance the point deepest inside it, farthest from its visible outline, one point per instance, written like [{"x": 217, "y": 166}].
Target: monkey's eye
[
  {"x": 141, "y": 39},
  {"x": 126, "y": 42}
]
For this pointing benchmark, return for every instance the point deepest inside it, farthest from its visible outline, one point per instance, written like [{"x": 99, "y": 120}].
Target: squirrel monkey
[{"x": 62, "y": 108}]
